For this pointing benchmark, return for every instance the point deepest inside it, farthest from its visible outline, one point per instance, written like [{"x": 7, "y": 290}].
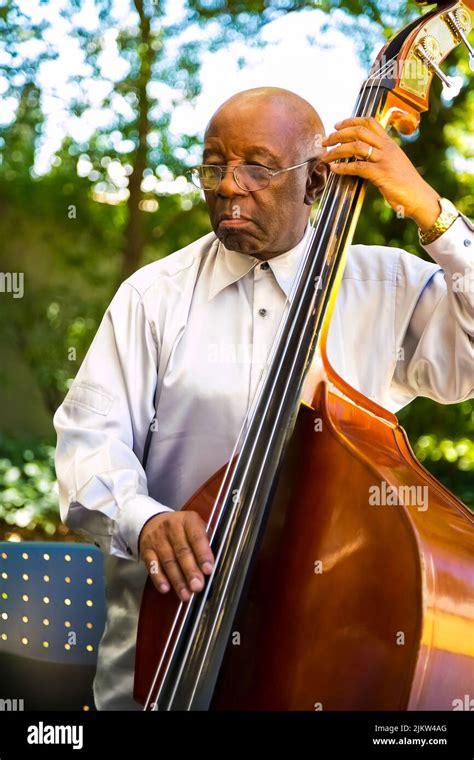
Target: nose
[{"x": 228, "y": 186}]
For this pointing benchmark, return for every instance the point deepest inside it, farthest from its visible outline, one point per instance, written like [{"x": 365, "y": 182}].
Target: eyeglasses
[{"x": 247, "y": 176}]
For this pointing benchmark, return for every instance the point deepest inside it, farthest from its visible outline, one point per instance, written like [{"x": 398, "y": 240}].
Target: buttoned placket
[{"x": 268, "y": 304}]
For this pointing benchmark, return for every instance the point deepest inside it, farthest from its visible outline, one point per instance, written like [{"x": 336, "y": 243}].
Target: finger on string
[
  {"x": 350, "y": 134},
  {"x": 170, "y": 564},
  {"x": 160, "y": 581},
  {"x": 356, "y": 149},
  {"x": 355, "y": 168},
  {"x": 199, "y": 542},
  {"x": 362, "y": 121}
]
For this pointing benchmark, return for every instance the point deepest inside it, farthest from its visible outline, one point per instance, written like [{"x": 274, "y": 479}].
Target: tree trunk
[{"x": 134, "y": 237}]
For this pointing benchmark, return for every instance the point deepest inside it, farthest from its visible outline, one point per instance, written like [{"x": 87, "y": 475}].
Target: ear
[{"x": 316, "y": 181}]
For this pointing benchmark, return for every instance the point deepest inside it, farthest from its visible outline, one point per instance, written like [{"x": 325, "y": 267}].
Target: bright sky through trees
[{"x": 328, "y": 73}]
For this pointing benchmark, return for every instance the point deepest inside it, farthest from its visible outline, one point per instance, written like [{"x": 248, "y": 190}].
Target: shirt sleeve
[
  {"x": 102, "y": 427},
  {"x": 434, "y": 320}
]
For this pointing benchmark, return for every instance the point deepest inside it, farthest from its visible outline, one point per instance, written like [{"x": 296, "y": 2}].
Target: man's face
[{"x": 264, "y": 222}]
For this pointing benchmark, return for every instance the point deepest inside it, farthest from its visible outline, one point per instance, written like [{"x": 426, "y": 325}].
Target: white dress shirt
[{"x": 181, "y": 347}]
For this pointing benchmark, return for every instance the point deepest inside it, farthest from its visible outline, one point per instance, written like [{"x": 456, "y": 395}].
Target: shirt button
[
  {"x": 265, "y": 265},
  {"x": 262, "y": 312},
  {"x": 467, "y": 243}
]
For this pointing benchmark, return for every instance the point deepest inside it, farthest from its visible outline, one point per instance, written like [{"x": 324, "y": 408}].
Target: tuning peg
[
  {"x": 426, "y": 50},
  {"x": 459, "y": 24}
]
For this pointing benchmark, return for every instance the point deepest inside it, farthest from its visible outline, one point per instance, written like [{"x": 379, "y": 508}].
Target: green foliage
[
  {"x": 447, "y": 450},
  {"x": 28, "y": 501}
]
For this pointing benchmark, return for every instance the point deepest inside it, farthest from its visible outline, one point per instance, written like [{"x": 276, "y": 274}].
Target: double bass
[{"x": 318, "y": 599}]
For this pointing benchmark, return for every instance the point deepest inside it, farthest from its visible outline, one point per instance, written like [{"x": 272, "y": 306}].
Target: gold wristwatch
[{"x": 448, "y": 215}]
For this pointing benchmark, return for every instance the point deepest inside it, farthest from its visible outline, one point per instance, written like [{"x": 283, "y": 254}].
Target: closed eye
[{"x": 256, "y": 163}]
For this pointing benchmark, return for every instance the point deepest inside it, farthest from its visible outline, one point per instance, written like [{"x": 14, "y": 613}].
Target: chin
[{"x": 239, "y": 241}]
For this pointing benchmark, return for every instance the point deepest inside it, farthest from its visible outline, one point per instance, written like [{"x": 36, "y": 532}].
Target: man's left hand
[{"x": 387, "y": 167}]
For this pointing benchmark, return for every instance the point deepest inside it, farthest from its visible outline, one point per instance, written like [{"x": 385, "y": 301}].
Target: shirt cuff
[
  {"x": 454, "y": 250},
  {"x": 132, "y": 518}
]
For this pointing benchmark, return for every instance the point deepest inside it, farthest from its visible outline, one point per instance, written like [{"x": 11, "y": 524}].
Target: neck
[{"x": 267, "y": 255}]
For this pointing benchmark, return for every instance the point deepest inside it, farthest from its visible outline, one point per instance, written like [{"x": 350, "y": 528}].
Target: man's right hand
[{"x": 175, "y": 549}]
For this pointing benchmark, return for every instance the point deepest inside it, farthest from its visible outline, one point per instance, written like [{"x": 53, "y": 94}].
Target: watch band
[{"x": 447, "y": 217}]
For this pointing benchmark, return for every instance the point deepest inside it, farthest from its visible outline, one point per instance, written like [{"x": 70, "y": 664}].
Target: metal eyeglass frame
[{"x": 225, "y": 170}]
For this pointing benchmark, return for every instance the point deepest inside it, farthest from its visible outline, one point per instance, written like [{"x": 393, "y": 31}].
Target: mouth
[{"x": 231, "y": 223}]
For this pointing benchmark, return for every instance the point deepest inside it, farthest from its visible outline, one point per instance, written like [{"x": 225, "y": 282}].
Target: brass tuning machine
[
  {"x": 428, "y": 51},
  {"x": 459, "y": 25}
]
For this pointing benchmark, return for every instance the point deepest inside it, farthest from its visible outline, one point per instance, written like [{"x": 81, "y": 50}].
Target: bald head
[
  {"x": 286, "y": 112},
  {"x": 276, "y": 129}
]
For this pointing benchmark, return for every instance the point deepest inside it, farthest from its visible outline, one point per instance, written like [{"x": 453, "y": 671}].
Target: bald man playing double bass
[{"x": 158, "y": 402}]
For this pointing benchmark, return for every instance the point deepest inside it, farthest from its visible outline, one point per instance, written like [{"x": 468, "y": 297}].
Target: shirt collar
[{"x": 231, "y": 266}]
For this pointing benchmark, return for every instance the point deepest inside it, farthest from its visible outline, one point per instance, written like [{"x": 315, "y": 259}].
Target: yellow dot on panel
[
  {"x": 25, "y": 597},
  {"x": 45, "y": 621},
  {"x": 46, "y": 599},
  {"x": 24, "y": 555},
  {"x": 5, "y": 575},
  {"x": 67, "y": 557},
  {"x": 86, "y": 708},
  {"x": 90, "y": 603},
  {"x": 25, "y": 619},
  {"x": 67, "y": 579},
  {"x": 89, "y": 581},
  {"x": 67, "y": 646},
  {"x": 89, "y": 558},
  {"x": 4, "y": 595},
  {"x": 24, "y": 641},
  {"x": 4, "y": 636},
  {"x": 4, "y": 555},
  {"x": 67, "y": 624},
  {"x": 25, "y": 577},
  {"x": 67, "y": 602},
  {"x": 46, "y": 644},
  {"x": 89, "y": 625},
  {"x": 90, "y": 648},
  {"x": 4, "y": 615},
  {"x": 46, "y": 578},
  {"x": 46, "y": 556}
]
